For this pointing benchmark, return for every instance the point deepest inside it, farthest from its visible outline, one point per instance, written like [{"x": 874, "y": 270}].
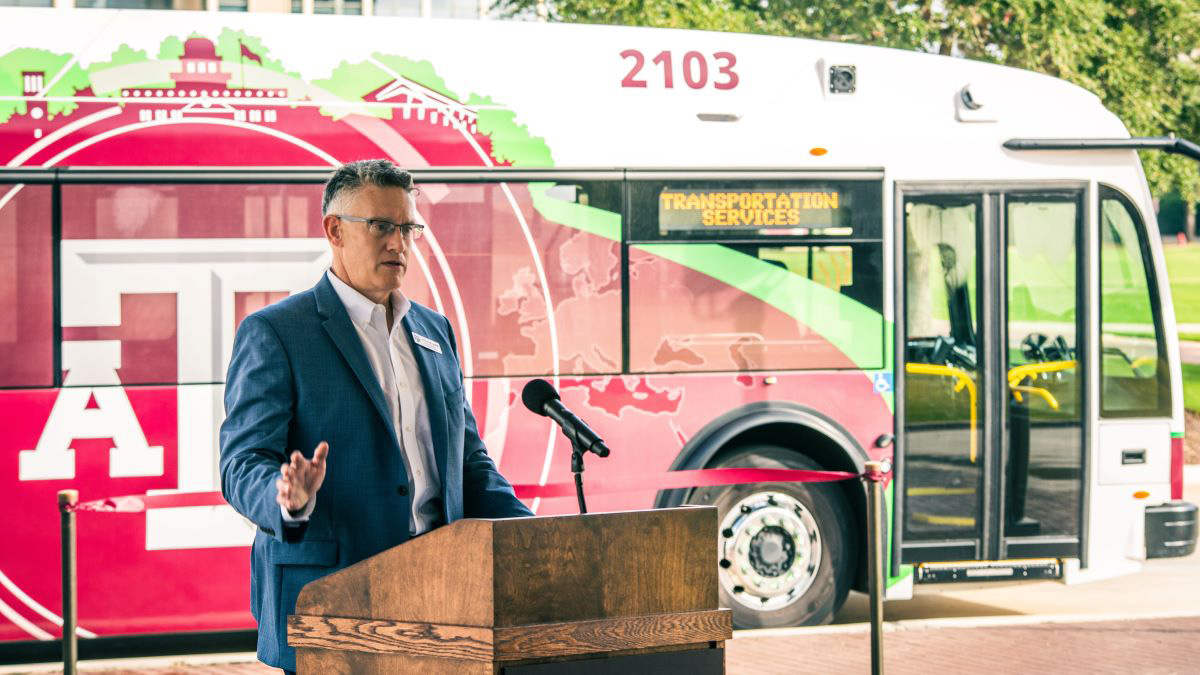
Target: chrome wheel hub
[{"x": 769, "y": 549}]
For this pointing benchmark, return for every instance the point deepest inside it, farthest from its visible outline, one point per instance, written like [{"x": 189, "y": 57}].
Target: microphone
[{"x": 540, "y": 397}]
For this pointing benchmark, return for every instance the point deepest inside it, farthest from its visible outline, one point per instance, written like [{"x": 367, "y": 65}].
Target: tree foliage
[{"x": 1141, "y": 57}]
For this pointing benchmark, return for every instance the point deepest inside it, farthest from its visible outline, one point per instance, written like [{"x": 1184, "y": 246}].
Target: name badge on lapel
[{"x": 425, "y": 342}]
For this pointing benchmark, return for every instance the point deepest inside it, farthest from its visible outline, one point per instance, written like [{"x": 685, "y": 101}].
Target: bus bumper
[{"x": 1170, "y": 530}]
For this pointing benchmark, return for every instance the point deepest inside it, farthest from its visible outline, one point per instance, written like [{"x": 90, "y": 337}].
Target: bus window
[
  {"x": 1045, "y": 418},
  {"x": 1133, "y": 371},
  {"x": 503, "y": 250},
  {"x": 494, "y": 254},
  {"x": 755, "y": 275},
  {"x": 941, "y": 283},
  {"x": 943, "y": 379},
  {"x": 191, "y": 211},
  {"x": 26, "y": 291},
  {"x": 1042, "y": 299},
  {"x": 754, "y": 306},
  {"x": 134, "y": 255}
]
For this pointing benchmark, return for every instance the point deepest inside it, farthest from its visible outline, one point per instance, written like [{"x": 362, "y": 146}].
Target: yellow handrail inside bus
[
  {"x": 1015, "y": 375},
  {"x": 1044, "y": 393},
  {"x": 1143, "y": 361},
  {"x": 962, "y": 379}
]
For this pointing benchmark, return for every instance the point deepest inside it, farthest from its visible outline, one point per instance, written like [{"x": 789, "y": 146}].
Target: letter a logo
[{"x": 86, "y": 412}]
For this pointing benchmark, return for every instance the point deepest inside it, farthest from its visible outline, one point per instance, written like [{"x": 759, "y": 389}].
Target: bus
[{"x": 725, "y": 250}]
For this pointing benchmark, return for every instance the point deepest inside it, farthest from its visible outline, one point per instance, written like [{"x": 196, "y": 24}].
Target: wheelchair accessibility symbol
[{"x": 883, "y": 383}]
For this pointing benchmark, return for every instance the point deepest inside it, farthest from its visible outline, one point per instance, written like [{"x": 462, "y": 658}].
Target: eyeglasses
[{"x": 383, "y": 229}]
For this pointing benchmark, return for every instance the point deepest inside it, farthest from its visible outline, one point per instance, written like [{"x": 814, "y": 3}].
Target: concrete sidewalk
[
  {"x": 1144, "y": 646},
  {"x": 1189, "y": 352},
  {"x": 1148, "y": 646}
]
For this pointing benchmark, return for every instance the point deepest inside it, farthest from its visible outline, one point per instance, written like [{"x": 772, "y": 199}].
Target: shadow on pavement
[{"x": 930, "y": 606}]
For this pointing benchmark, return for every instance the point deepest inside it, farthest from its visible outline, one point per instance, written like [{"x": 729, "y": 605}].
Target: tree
[
  {"x": 1141, "y": 57},
  {"x": 723, "y": 15},
  {"x": 1134, "y": 55}
]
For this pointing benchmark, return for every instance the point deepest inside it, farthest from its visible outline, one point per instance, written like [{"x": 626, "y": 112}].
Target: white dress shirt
[{"x": 395, "y": 368}]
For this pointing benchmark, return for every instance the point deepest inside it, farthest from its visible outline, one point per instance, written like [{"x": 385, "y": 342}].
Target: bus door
[{"x": 990, "y": 409}]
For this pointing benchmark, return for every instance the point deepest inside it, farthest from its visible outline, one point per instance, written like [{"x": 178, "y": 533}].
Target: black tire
[{"x": 814, "y": 595}]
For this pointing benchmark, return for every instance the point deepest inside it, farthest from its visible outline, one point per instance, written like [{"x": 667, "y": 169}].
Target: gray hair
[{"x": 353, "y": 176}]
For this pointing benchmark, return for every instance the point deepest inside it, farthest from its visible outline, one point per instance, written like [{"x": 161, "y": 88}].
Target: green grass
[
  {"x": 1191, "y": 386},
  {"x": 1183, "y": 269},
  {"x": 1183, "y": 337}
]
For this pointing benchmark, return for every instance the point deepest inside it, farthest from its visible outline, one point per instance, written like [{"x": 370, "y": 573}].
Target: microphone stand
[
  {"x": 577, "y": 469},
  {"x": 542, "y": 399}
]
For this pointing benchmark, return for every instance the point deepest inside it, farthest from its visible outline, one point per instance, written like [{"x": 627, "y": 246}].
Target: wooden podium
[{"x": 632, "y": 592}]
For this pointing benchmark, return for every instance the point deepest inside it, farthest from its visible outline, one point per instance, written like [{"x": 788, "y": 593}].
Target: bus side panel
[{"x": 104, "y": 441}]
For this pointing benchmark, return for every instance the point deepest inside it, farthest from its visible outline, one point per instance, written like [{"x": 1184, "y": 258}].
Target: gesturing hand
[{"x": 301, "y": 478}]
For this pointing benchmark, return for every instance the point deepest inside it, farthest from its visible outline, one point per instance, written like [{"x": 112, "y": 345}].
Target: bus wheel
[{"x": 786, "y": 551}]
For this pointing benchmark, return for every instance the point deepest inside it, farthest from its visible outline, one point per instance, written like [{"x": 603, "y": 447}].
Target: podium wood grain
[
  {"x": 630, "y": 564},
  {"x": 442, "y": 577},
  {"x": 470, "y": 643},
  {"x": 488, "y": 592},
  {"x": 467, "y": 643},
  {"x": 608, "y": 635}
]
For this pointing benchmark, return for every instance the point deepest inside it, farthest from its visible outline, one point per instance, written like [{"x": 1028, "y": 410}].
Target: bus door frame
[{"x": 993, "y": 544}]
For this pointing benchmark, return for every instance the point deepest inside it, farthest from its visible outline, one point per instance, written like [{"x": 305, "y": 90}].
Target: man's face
[{"x": 372, "y": 265}]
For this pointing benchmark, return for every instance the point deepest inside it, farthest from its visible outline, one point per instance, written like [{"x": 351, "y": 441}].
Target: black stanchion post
[
  {"x": 873, "y": 477},
  {"x": 70, "y": 648}
]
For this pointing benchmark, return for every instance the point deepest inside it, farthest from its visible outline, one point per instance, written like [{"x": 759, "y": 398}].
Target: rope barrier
[
  {"x": 655, "y": 481},
  {"x": 140, "y": 503},
  {"x": 684, "y": 479}
]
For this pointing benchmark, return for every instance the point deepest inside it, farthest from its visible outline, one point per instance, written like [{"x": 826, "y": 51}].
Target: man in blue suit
[{"x": 347, "y": 429}]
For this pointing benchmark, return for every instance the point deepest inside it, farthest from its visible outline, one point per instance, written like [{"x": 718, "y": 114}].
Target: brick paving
[
  {"x": 1145, "y": 647},
  {"x": 180, "y": 669}
]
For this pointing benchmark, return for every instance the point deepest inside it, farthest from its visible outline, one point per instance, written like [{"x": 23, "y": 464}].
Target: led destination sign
[
  {"x": 795, "y": 211},
  {"x": 755, "y": 208}
]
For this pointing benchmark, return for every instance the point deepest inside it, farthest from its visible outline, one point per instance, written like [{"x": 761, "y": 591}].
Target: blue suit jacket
[{"x": 299, "y": 376}]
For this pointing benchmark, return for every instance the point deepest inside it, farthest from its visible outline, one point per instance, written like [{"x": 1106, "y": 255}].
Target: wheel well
[
  {"x": 804, "y": 439},
  {"x": 805, "y": 432}
]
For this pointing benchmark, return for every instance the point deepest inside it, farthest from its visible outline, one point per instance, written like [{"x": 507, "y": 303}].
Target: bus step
[{"x": 989, "y": 570}]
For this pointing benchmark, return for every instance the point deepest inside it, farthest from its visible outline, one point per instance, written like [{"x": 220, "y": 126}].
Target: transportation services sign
[{"x": 794, "y": 211}]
